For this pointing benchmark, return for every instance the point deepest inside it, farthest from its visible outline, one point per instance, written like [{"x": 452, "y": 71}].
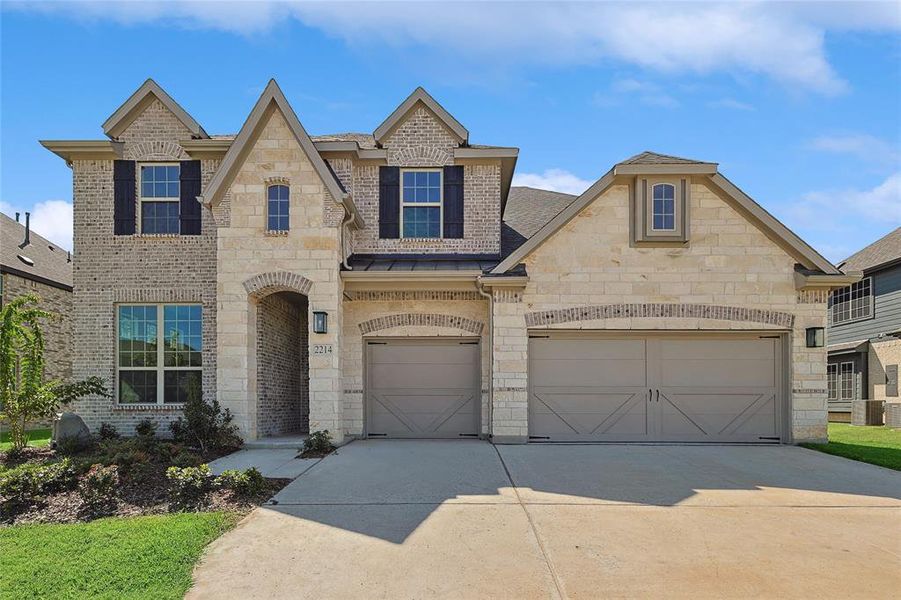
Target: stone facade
[
  {"x": 57, "y": 331},
  {"x": 588, "y": 276},
  {"x": 881, "y": 354}
]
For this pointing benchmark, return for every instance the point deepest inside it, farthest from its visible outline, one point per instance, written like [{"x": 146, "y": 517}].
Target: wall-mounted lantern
[
  {"x": 816, "y": 337},
  {"x": 320, "y": 321}
]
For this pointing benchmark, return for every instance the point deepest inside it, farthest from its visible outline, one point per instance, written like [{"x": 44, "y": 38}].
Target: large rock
[{"x": 68, "y": 426}]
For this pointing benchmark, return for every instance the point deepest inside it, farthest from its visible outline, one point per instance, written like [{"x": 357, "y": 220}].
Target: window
[
  {"x": 832, "y": 381},
  {"x": 663, "y": 217},
  {"x": 846, "y": 379},
  {"x": 852, "y": 303},
  {"x": 421, "y": 203},
  {"x": 159, "y": 364},
  {"x": 160, "y": 192},
  {"x": 278, "y": 201}
]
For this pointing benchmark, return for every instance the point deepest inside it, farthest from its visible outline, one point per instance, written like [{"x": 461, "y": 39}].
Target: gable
[
  {"x": 420, "y": 127},
  {"x": 150, "y": 94},
  {"x": 415, "y": 102}
]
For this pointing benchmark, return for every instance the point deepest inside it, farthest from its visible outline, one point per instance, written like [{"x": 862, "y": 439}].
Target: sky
[{"x": 799, "y": 103}]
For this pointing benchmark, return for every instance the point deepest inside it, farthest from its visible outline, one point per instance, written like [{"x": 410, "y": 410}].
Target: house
[
  {"x": 31, "y": 264},
  {"x": 864, "y": 329},
  {"x": 395, "y": 284}
]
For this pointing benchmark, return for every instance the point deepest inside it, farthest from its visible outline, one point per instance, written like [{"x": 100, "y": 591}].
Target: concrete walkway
[
  {"x": 464, "y": 519},
  {"x": 276, "y": 463}
]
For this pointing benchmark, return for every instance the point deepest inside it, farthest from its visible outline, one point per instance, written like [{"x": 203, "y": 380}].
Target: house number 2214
[{"x": 320, "y": 349}]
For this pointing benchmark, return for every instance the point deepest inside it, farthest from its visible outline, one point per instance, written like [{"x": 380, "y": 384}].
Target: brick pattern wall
[
  {"x": 421, "y": 140},
  {"x": 282, "y": 369},
  {"x": 57, "y": 331},
  {"x": 881, "y": 353},
  {"x": 421, "y": 320},
  {"x": 386, "y": 296},
  {"x": 110, "y": 269},
  {"x": 590, "y": 263},
  {"x": 392, "y": 311}
]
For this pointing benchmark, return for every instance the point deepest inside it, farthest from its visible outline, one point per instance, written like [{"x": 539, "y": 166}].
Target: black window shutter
[
  {"x": 453, "y": 202},
  {"x": 389, "y": 202},
  {"x": 189, "y": 211},
  {"x": 124, "y": 197}
]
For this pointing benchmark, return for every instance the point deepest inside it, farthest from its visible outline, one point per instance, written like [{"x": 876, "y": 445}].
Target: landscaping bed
[
  {"x": 122, "y": 477},
  {"x": 870, "y": 444}
]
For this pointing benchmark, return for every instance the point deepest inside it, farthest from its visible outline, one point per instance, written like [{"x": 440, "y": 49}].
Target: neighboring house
[
  {"x": 30, "y": 264},
  {"x": 395, "y": 285},
  {"x": 864, "y": 333}
]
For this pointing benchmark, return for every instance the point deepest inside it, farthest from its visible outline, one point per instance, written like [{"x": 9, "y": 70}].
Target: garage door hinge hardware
[
  {"x": 468, "y": 434},
  {"x": 769, "y": 337},
  {"x": 377, "y": 343},
  {"x": 377, "y": 434},
  {"x": 539, "y": 337},
  {"x": 468, "y": 343},
  {"x": 763, "y": 437},
  {"x": 539, "y": 437}
]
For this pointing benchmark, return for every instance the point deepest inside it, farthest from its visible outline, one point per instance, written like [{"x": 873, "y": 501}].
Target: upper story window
[
  {"x": 160, "y": 350},
  {"x": 278, "y": 201},
  {"x": 852, "y": 303},
  {"x": 663, "y": 217},
  {"x": 420, "y": 206},
  {"x": 160, "y": 191}
]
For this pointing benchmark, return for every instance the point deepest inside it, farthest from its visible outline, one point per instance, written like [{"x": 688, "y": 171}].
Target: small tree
[
  {"x": 24, "y": 395},
  {"x": 205, "y": 425}
]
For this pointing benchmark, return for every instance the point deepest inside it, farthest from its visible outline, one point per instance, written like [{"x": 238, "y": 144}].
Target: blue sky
[{"x": 799, "y": 103}]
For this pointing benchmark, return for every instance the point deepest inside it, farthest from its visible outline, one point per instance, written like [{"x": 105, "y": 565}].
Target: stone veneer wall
[
  {"x": 57, "y": 331},
  {"x": 407, "y": 314},
  {"x": 282, "y": 370},
  {"x": 309, "y": 251},
  {"x": 109, "y": 269},
  {"x": 422, "y": 141},
  {"x": 589, "y": 267},
  {"x": 882, "y": 353}
]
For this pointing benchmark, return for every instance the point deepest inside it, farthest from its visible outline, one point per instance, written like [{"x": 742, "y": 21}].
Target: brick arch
[
  {"x": 157, "y": 150},
  {"x": 421, "y": 156},
  {"x": 672, "y": 311},
  {"x": 422, "y": 319},
  {"x": 264, "y": 284}
]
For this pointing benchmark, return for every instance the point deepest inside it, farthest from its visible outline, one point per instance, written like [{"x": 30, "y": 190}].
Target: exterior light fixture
[
  {"x": 816, "y": 337},
  {"x": 320, "y": 322}
]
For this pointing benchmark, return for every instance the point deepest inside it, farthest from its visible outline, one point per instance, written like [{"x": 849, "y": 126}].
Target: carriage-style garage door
[
  {"x": 422, "y": 388},
  {"x": 679, "y": 388}
]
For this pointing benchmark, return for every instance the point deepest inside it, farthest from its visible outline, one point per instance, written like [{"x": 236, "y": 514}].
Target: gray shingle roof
[
  {"x": 365, "y": 140},
  {"x": 49, "y": 260},
  {"x": 653, "y": 158},
  {"x": 883, "y": 250},
  {"x": 528, "y": 210},
  {"x": 419, "y": 262}
]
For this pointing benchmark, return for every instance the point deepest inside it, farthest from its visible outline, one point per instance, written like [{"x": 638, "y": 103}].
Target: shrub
[
  {"x": 318, "y": 443},
  {"x": 30, "y": 481},
  {"x": 146, "y": 428},
  {"x": 249, "y": 482},
  {"x": 187, "y": 459},
  {"x": 73, "y": 445},
  {"x": 107, "y": 432},
  {"x": 99, "y": 486},
  {"x": 188, "y": 486},
  {"x": 205, "y": 425}
]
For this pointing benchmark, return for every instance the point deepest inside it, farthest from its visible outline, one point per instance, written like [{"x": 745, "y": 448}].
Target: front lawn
[
  {"x": 36, "y": 438},
  {"x": 876, "y": 445},
  {"x": 140, "y": 557}
]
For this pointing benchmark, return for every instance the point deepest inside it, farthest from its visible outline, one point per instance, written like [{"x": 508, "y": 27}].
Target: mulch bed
[{"x": 143, "y": 490}]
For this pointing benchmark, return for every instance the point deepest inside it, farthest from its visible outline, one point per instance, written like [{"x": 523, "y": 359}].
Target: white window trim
[
  {"x": 651, "y": 214},
  {"x": 141, "y": 197},
  {"x": 160, "y": 356},
  {"x": 841, "y": 384},
  {"x": 268, "y": 187},
  {"x": 832, "y": 394},
  {"x": 872, "y": 303},
  {"x": 439, "y": 204}
]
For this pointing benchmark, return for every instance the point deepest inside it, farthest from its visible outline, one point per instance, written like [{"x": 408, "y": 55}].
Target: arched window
[
  {"x": 278, "y": 201},
  {"x": 664, "y": 209}
]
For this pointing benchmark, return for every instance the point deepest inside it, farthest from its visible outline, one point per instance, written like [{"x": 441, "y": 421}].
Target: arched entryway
[{"x": 280, "y": 387}]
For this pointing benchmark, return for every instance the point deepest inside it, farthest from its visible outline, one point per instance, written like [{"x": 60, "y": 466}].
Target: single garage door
[
  {"x": 422, "y": 388},
  {"x": 669, "y": 388}
]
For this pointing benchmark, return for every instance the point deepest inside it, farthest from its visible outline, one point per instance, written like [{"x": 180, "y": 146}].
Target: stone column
[{"x": 510, "y": 418}]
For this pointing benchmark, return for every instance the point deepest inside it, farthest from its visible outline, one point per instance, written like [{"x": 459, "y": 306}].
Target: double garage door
[
  {"x": 669, "y": 388},
  {"x": 587, "y": 388}
]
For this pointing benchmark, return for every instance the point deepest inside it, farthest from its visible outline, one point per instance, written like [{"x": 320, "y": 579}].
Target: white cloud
[
  {"x": 784, "y": 41},
  {"x": 836, "y": 210},
  {"x": 862, "y": 146},
  {"x": 50, "y": 218},
  {"x": 730, "y": 103},
  {"x": 625, "y": 90},
  {"x": 557, "y": 180}
]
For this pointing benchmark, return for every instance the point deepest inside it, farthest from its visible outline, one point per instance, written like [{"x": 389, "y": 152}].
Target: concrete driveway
[{"x": 465, "y": 519}]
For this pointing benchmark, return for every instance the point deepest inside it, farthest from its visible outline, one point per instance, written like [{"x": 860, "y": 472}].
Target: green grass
[
  {"x": 139, "y": 557},
  {"x": 36, "y": 437},
  {"x": 875, "y": 445}
]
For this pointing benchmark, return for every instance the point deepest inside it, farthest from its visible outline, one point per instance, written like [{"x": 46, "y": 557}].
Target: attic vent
[
  {"x": 52, "y": 249},
  {"x": 25, "y": 260}
]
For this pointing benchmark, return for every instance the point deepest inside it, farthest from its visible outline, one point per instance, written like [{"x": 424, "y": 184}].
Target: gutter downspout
[
  {"x": 348, "y": 217},
  {"x": 481, "y": 290}
]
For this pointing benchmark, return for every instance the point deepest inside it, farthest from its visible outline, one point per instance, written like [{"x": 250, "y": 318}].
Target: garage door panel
[
  {"x": 717, "y": 417},
  {"x": 572, "y": 348},
  {"x": 411, "y": 391},
  {"x": 590, "y": 373},
  {"x": 717, "y": 372},
  {"x": 717, "y": 348},
  {"x": 577, "y": 415}
]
